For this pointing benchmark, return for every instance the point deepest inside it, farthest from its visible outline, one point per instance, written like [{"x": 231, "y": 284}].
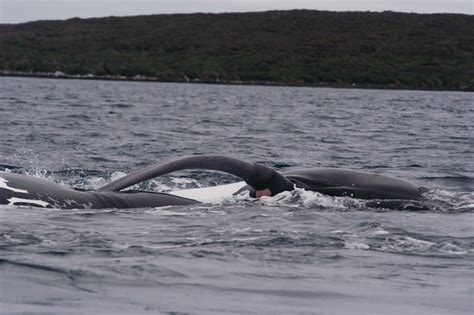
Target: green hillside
[{"x": 281, "y": 47}]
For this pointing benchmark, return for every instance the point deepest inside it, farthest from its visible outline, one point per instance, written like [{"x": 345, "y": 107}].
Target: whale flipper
[{"x": 258, "y": 176}]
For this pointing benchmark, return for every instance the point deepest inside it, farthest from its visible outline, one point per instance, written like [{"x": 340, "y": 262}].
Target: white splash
[
  {"x": 4, "y": 185},
  {"x": 356, "y": 245},
  {"x": 180, "y": 181},
  {"x": 14, "y": 200}
]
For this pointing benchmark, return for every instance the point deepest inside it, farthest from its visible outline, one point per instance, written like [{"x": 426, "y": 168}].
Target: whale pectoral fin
[{"x": 258, "y": 176}]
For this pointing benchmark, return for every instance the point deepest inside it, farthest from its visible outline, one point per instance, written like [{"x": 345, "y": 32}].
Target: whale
[{"x": 257, "y": 180}]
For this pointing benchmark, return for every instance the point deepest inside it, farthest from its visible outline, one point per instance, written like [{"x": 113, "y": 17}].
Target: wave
[
  {"x": 455, "y": 178},
  {"x": 377, "y": 238},
  {"x": 436, "y": 201}
]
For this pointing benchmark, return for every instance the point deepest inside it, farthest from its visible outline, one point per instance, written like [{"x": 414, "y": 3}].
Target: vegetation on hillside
[{"x": 282, "y": 47}]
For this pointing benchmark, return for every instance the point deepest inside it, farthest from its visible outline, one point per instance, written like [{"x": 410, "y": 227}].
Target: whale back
[{"x": 356, "y": 184}]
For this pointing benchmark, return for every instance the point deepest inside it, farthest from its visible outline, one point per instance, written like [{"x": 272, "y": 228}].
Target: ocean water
[{"x": 295, "y": 253}]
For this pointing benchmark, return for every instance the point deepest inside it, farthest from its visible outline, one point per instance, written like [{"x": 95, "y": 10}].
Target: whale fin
[{"x": 256, "y": 175}]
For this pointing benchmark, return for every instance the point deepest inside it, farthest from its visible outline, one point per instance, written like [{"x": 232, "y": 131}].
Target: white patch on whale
[
  {"x": 212, "y": 194},
  {"x": 14, "y": 200},
  {"x": 4, "y": 185}
]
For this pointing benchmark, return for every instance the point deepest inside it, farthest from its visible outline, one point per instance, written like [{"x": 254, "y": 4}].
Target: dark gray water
[{"x": 298, "y": 252}]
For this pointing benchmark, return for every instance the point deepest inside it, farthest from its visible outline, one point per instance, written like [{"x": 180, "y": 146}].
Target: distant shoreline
[
  {"x": 385, "y": 50},
  {"x": 220, "y": 82}
]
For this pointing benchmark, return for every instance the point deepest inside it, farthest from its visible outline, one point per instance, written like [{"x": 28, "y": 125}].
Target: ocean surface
[{"x": 295, "y": 253}]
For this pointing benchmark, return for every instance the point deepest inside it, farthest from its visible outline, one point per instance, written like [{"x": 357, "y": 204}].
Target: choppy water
[{"x": 298, "y": 252}]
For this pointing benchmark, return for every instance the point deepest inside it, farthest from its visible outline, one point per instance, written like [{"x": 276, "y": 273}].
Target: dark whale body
[
  {"x": 26, "y": 190},
  {"x": 16, "y": 189}
]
